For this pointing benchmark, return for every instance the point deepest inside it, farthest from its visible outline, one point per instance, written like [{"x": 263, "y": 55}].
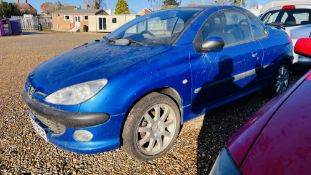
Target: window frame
[
  {"x": 66, "y": 19},
  {"x": 86, "y": 18},
  {"x": 114, "y": 20}
]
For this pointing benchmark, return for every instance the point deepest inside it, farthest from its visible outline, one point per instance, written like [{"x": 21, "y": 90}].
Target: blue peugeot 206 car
[{"x": 136, "y": 87}]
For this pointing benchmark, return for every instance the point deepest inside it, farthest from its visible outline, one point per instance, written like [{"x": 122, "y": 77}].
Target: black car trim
[
  {"x": 68, "y": 119},
  {"x": 234, "y": 78}
]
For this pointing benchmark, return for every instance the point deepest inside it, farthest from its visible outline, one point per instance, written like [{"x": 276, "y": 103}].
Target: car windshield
[
  {"x": 289, "y": 17},
  {"x": 159, "y": 28}
]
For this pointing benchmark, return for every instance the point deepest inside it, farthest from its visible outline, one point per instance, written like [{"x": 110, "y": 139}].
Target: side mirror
[
  {"x": 303, "y": 47},
  {"x": 213, "y": 43}
]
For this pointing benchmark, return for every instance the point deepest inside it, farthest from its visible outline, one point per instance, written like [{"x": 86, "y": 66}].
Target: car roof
[
  {"x": 277, "y": 5},
  {"x": 301, "y": 6}
]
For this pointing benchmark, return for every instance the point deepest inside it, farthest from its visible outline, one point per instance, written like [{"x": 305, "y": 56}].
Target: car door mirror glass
[{"x": 213, "y": 43}]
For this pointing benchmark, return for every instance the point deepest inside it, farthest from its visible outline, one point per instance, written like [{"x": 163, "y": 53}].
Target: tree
[
  {"x": 8, "y": 9},
  {"x": 223, "y": 2},
  {"x": 94, "y": 4},
  {"x": 241, "y": 3},
  {"x": 155, "y": 4},
  {"x": 87, "y": 4},
  {"x": 122, "y": 7},
  {"x": 58, "y": 5},
  {"x": 49, "y": 7},
  {"x": 170, "y": 4},
  {"x": 46, "y": 7}
]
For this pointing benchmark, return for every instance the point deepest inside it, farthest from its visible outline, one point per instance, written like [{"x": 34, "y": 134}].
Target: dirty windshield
[{"x": 160, "y": 28}]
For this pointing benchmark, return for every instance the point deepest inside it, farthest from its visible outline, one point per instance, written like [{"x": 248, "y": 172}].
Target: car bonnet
[{"x": 89, "y": 62}]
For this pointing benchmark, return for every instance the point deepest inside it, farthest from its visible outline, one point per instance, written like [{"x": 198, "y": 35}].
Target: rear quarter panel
[{"x": 277, "y": 48}]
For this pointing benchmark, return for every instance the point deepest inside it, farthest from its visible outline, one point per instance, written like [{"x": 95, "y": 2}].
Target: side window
[
  {"x": 271, "y": 17},
  {"x": 284, "y": 17},
  {"x": 258, "y": 29},
  {"x": 231, "y": 25}
]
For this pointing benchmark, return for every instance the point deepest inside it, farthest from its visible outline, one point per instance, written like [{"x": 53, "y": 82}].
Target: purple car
[{"x": 277, "y": 140}]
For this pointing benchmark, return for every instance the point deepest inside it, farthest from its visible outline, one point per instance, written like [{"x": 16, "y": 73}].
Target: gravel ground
[{"x": 23, "y": 152}]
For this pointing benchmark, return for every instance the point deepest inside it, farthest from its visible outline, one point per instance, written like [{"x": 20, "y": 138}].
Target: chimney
[
  {"x": 26, "y": 1},
  {"x": 17, "y": 1}
]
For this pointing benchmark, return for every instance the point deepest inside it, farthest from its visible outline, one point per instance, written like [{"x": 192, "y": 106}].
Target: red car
[{"x": 277, "y": 140}]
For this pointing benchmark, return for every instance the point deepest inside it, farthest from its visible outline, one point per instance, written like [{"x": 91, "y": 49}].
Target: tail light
[{"x": 288, "y": 7}]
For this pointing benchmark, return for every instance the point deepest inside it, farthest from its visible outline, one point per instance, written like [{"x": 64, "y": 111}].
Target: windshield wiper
[
  {"x": 137, "y": 42},
  {"x": 110, "y": 39}
]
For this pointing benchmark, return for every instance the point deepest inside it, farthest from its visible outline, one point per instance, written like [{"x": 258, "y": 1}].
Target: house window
[
  {"x": 86, "y": 18},
  {"x": 66, "y": 18},
  {"x": 114, "y": 20}
]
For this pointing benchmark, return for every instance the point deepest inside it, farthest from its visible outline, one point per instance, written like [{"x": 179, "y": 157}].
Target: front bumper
[
  {"x": 68, "y": 119},
  {"x": 106, "y": 130}
]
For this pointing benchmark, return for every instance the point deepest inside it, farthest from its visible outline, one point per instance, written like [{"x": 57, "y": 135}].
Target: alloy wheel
[
  {"x": 282, "y": 79},
  {"x": 156, "y": 130}
]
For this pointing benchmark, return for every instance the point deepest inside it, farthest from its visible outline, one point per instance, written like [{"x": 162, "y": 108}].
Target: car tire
[
  {"x": 280, "y": 80},
  {"x": 152, "y": 127}
]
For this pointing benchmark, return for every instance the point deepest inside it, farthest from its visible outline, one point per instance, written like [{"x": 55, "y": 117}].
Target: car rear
[{"x": 296, "y": 20}]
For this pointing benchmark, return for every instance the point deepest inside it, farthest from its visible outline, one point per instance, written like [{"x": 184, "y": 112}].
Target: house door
[
  {"x": 102, "y": 24},
  {"x": 77, "y": 22}
]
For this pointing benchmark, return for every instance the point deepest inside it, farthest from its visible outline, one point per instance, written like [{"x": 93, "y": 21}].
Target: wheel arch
[{"x": 168, "y": 91}]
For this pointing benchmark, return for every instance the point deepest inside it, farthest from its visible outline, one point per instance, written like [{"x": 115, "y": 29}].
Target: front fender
[{"x": 127, "y": 88}]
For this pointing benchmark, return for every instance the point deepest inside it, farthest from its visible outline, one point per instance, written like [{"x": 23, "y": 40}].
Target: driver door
[{"x": 222, "y": 73}]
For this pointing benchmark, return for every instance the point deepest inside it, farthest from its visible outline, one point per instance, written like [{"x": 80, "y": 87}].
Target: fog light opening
[{"x": 82, "y": 136}]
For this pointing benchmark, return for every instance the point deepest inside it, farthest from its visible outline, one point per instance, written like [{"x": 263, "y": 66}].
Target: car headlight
[
  {"x": 76, "y": 94},
  {"x": 225, "y": 165}
]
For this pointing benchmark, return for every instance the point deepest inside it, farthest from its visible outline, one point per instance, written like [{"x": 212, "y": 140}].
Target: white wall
[{"x": 110, "y": 26}]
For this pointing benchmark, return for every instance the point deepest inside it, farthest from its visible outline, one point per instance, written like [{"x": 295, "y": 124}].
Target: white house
[{"x": 108, "y": 23}]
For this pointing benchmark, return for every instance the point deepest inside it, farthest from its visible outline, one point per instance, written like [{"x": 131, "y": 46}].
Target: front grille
[{"x": 55, "y": 127}]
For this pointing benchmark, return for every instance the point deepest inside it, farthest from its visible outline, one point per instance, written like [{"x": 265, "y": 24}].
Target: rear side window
[
  {"x": 290, "y": 17},
  {"x": 231, "y": 25}
]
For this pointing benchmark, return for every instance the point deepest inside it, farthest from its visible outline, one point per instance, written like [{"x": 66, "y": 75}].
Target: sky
[{"x": 134, "y": 5}]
